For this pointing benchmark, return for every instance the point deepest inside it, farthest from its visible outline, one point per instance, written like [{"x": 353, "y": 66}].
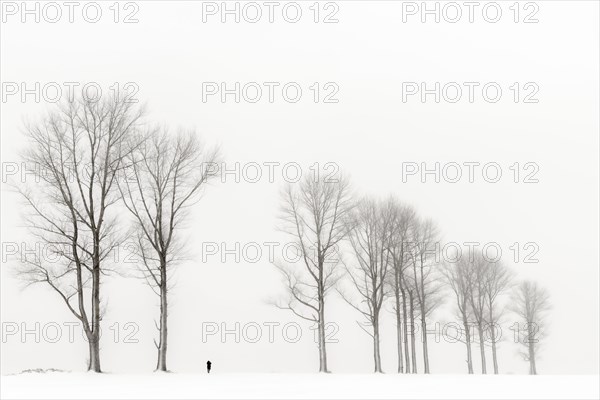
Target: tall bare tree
[
  {"x": 166, "y": 175},
  {"x": 313, "y": 214},
  {"x": 427, "y": 286},
  {"x": 458, "y": 276},
  {"x": 531, "y": 303},
  {"x": 401, "y": 219},
  {"x": 369, "y": 236},
  {"x": 77, "y": 153},
  {"x": 497, "y": 280}
]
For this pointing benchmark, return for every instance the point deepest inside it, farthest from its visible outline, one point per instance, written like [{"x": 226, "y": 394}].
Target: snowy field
[{"x": 63, "y": 385}]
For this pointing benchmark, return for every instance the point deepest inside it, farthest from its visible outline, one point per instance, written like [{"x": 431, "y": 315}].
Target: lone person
[{"x": 208, "y": 364}]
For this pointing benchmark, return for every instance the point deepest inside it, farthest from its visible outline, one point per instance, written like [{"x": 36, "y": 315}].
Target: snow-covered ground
[{"x": 64, "y": 385}]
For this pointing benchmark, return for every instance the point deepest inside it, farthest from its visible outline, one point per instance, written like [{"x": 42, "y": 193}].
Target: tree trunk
[
  {"x": 399, "y": 329},
  {"x": 94, "y": 349},
  {"x": 482, "y": 348},
  {"x": 322, "y": 342},
  {"x": 468, "y": 344},
  {"x": 494, "y": 356},
  {"x": 532, "y": 367},
  {"x": 424, "y": 335},
  {"x": 405, "y": 326},
  {"x": 376, "y": 352},
  {"x": 94, "y": 338},
  {"x": 424, "y": 324},
  {"x": 493, "y": 338},
  {"x": 412, "y": 333},
  {"x": 161, "y": 364}
]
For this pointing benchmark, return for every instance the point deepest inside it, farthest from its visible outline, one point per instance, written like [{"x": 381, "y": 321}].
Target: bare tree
[
  {"x": 478, "y": 300},
  {"x": 477, "y": 283},
  {"x": 458, "y": 276},
  {"x": 76, "y": 153},
  {"x": 427, "y": 287},
  {"x": 401, "y": 219},
  {"x": 369, "y": 235},
  {"x": 314, "y": 211},
  {"x": 166, "y": 175},
  {"x": 497, "y": 280},
  {"x": 531, "y": 303}
]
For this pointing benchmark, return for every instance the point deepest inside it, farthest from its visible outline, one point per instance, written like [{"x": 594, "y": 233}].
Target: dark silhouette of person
[{"x": 208, "y": 364}]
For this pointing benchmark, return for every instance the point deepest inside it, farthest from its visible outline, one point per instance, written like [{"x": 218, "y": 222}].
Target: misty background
[{"x": 369, "y": 133}]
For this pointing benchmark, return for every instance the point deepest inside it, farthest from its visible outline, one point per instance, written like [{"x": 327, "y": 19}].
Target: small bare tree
[
  {"x": 427, "y": 287},
  {"x": 497, "y": 280},
  {"x": 314, "y": 211},
  {"x": 531, "y": 303},
  {"x": 369, "y": 236},
  {"x": 76, "y": 154},
  {"x": 458, "y": 276},
  {"x": 166, "y": 175},
  {"x": 401, "y": 219},
  {"x": 478, "y": 301}
]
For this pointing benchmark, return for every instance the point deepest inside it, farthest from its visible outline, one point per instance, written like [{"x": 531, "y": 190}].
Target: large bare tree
[
  {"x": 370, "y": 236},
  {"x": 531, "y": 303},
  {"x": 313, "y": 214},
  {"x": 166, "y": 175},
  {"x": 77, "y": 153}
]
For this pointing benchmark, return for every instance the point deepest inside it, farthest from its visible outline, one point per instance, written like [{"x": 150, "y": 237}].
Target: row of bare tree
[
  {"x": 94, "y": 160},
  {"x": 393, "y": 254},
  {"x": 98, "y": 159}
]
